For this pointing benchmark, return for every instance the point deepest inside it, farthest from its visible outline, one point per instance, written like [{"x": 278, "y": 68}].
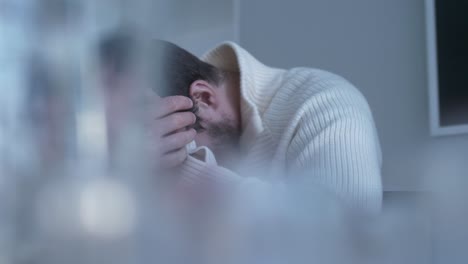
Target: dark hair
[
  {"x": 175, "y": 69},
  {"x": 178, "y": 67}
]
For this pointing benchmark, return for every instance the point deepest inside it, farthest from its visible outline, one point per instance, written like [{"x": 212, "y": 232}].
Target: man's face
[
  {"x": 218, "y": 133},
  {"x": 219, "y": 116}
]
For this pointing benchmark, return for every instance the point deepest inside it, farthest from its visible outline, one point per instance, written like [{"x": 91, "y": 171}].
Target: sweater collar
[{"x": 256, "y": 85}]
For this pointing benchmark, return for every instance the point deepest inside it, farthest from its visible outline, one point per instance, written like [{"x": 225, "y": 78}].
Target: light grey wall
[
  {"x": 199, "y": 25},
  {"x": 379, "y": 45}
]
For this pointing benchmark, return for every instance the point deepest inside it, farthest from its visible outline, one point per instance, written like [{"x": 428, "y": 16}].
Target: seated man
[{"x": 261, "y": 126}]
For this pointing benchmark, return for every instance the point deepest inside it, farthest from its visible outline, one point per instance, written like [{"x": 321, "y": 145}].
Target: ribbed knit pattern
[{"x": 300, "y": 122}]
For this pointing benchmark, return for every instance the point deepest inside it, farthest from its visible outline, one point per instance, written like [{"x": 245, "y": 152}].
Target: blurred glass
[{"x": 60, "y": 200}]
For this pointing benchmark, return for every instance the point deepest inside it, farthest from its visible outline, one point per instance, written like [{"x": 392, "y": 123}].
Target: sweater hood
[{"x": 258, "y": 84}]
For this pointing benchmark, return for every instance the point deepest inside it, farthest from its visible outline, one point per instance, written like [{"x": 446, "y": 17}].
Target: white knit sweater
[{"x": 296, "y": 123}]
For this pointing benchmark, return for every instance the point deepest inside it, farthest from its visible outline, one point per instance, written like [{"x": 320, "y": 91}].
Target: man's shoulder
[
  {"x": 311, "y": 79},
  {"x": 303, "y": 86},
  {"x": 315, "y": 93}
]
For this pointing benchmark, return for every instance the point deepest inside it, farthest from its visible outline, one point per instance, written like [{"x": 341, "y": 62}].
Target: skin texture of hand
[{"x": 168, "y": 129}]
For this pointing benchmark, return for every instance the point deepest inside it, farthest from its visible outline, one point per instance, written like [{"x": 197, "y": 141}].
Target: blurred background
[{"x": 378, "y": 45}]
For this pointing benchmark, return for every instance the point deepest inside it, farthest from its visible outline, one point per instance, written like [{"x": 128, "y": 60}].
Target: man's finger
[
  {"x": 177, "y": 140},
  {"x": 173, "y": 158},
  {"x": 174, "y": 122},
  {"x": 168, "y": 105}
]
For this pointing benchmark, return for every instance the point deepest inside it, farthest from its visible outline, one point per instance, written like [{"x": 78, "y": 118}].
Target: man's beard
[
  {"x": 225, "y": 142},
  {"x": 224, "y": 134}
]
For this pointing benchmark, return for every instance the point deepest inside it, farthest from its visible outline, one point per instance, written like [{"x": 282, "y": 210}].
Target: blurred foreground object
[{"x": 60, "y": 202}]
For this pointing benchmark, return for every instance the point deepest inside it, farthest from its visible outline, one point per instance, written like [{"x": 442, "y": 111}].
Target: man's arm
[
  {"x": 343, "y": 157},
  {"x": 335, "y": 147}
]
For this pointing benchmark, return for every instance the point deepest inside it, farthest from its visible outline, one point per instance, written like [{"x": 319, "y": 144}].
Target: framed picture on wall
[{"x": 447, "y": 50}]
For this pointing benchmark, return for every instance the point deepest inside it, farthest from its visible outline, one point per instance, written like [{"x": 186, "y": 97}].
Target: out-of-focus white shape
[
  {"x": 102, "y": 208},
  {"x": 91, "y": 132},
  {"x": 107, "y": 209}
]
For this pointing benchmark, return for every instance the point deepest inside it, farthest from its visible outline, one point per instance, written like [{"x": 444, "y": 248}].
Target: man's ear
[{"x": 203, "y": 93}]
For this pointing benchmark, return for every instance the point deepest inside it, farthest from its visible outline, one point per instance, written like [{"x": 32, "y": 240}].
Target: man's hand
[{"x": 168, "y": 129}]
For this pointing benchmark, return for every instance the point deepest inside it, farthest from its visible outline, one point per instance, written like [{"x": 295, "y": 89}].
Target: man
[{"x": 260, "y": 127}]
